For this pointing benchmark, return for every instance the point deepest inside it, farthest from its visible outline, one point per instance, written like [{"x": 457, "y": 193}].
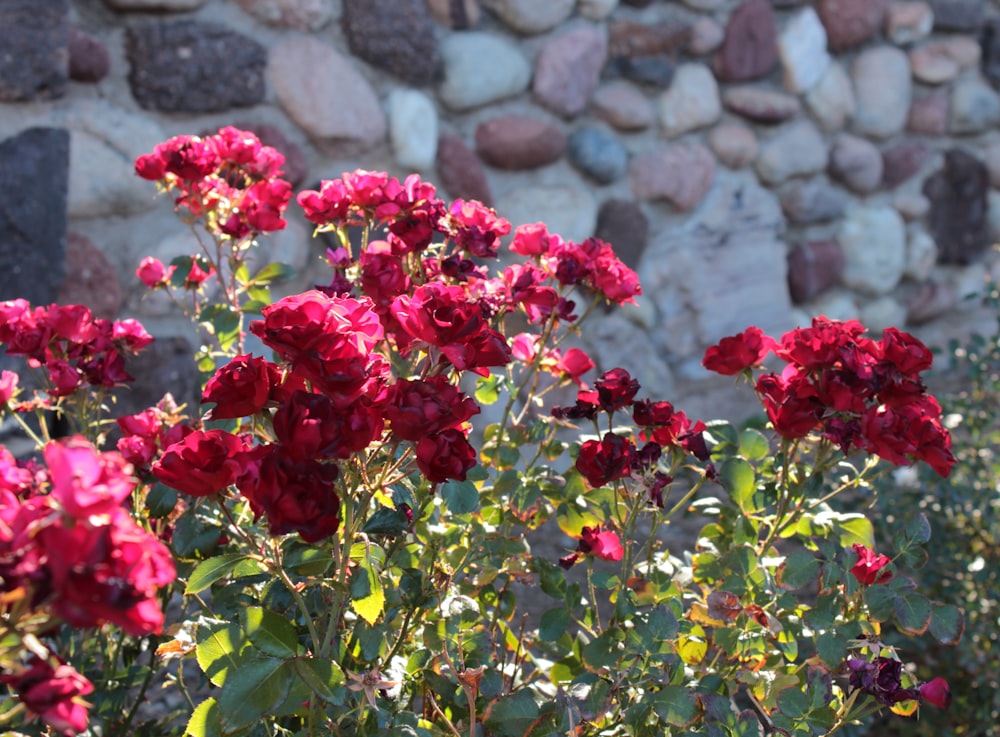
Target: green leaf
[
  {"x": 488, "y": 389},
  {"x": 219, "y": 650},
  {"x": 799, "y": 569},
  {"x": 204, "y": 721},
  {"x": 211, "y": 570},
  {"x": 195, "y": 535},
  {"x": 831, "y": 648},
  {"x": 881, "y": 602},
  {"x": 739, "y": 480},
  {"x": 160, "y": 501},
  {"x": 947, "y": 623},
  {"x": 554, "y": 624},
  {"x": 918, "y": 529},
  {"x": 321, "y": 675},
  {"x": 223, "y": 322},
  {"x": 386, "y": 521},
  {"x": 573, "y": 517},
  {"x": 461, "y": 497},
  {"x": 510, "y": 716},
  {"x": 677, "y": 706},
  {"x": 270, "y": 632},
  {"x": 855, "y": 528},
  {"x": 367, "y": 597},
  {"x": 602, "y": 652},
  {"x": 273, "y": 272},
  {"x": 793, "y": 703},
  {"x": 913, "y": 613},
  {"x": 753, "y": 445},
  {"x": 251, "y": 692}
]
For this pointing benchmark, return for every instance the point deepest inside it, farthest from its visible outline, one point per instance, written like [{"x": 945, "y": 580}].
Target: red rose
[
  {"x": 604, "y": 545},
  {"x": 422, "y": 407},
  {"x": 203, "y": 463},
  {"x": 311, "y": 426},
  {"x": 819, "y": 346},
  {"x": 937, "y": 692},
  {"x": 445, "y": 455},
  {"x": 906, "y": 353},
  {"x": 295, "y": 496},
  {"x": 791, "y": 403},
  {"x": 868, "y": 569},
  {"x": 241, "y": 388},
  {"x": 54, "y": 694},
  {"x": 603, "y": 461},
  {"x": 739, "y": 352},
  {"x": 84, "y": 481},
  {"x": 616, "y": 389}
]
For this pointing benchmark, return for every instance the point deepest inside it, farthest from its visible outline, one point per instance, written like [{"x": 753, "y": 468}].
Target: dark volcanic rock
[
  {"x": 750, "y": 47},
  {"x": 624, "y": 225},
  {"x": 89, "y": 60},
  {"x": 394, "y": 35},
  {"x": 814, "y": 267},
  {"x": 958, "y": 213},
  {"x": 34, "y": 167},
  {"x": 194, "y": 67},
  {"x": 34, "y": 49}
]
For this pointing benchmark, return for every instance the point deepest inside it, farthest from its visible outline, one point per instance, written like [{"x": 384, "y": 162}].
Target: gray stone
[
  {"x": 624, "y": 225},
  {"x": 881, "y": 313},
  {"x": 481, "y": 68},
  {"x": 301, "y": 15},
  {"x": 911, "y": 205},
  {"x": 336, "y": 106},
  {"x": 802, "y": 46},
  {"x": 957, "y": 16},
  {"x": 91, "y": 278},
  {"x": 733, "y": 144},
  {"x": 761, "y": 105},
  {"x": 596, "y": 9},
  {"x": 569, "y": 211},
  {"x": 814, "y": 201},
  {"x": 959, "y": 207},
  {"x": 460, "y": 171},
  {"x": 692, "y": 101},
  {"x": 831, "y": 100},
  {"x": 656, "y": 70},
  {"x": 394, "y": 35},
  {"x": 874, "y": 242},
  {"x": 89, "y": 60},
  {"x": 148, "y": 6},
  {"x": 797, "y": 149},
  {"x": 680, "y": 173},
  {"x": 614, "y": 337},
  {"x": 518, "y": 142},
  {"x": 975, "y": 107},
  {"x": 934, "y": 63},
  {"x": 413, "y": 128},
  {"x": 194, "y": 67},
  {"x": 907, "y": 22},
  {"x": 598, "y": 153},
  {"x": 34, "y": 36},
  {"x": 882, "y": 89},
  {"x": 529, "y": 16},
  {"x": 990, "y": 41},
  {"x": 856, "y": 162},
  {"x": 165, "y": 366},
  {"x": 921, "y": 254},
  {"x": 623, "y": 105},
  {"x": 568, "y": 70},
  {"x": 33, "y": 186}
]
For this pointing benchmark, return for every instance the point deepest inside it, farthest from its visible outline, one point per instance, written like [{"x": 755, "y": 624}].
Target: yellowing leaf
[{"x": 367, "y": 597}]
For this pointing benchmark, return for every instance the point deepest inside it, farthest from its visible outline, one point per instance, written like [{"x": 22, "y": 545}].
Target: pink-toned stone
[
  {"x": 929, "y": 114},
  {"x": 681, "y": 174},
  {"x": 633, "y": 39},
  {"x": 902, "y": 160},
  {"x": 91, "y": 278},
  {"x": 623, "y": 105},
  {"x": 706, "y": 36},
  {"x": 89, "y": 60},
  {"x": 750, "y": 45},
  {"x": 734, "y": 145},
  {"x": 761, "y": 105},
  {"x": 302, "y": 15},
  {"x": 460, "y": 171},
  {"x": 851, "y": 22},
  {"x": 937, "y": 62},
  {"x": 813, "y": 268},
  {"x": 856, "y": 162},
  {"x": 568, "y": 69},
  {"x": 930, "y": 300},
  {"x": 519, "y": 142},
  {"x": 456, "y": 14},
  {"x": 907, "y": 22}
]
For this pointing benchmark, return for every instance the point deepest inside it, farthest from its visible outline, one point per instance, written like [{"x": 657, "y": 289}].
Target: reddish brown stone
[
  {"x": 460, "y": 171},
  {"x": 750, "y": 47},
  {"x": 88, "y": 58},
  {"x": 519, "y": 142},
  {"x": 902, "y": 160},
  {"x": 851, "y": 22},
  {"x": 929, "y": 114},
  {"x": 761, "y": 105},
  {"x": 813, "y": 268},
  {"x": 91, "y": 278},
  {"x": 457, "y": 14},
  {"x": 634, "y": 39}
]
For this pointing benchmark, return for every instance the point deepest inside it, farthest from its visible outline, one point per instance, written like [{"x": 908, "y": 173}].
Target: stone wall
[{"x": 757, "y": 161}]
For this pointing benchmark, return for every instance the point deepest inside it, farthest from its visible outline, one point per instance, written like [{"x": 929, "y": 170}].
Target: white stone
[
  {"x": 975, "y": 107},
  {"x": 531, "y": 16},
  {"x": 596, "y": 9},
  {"x": 837, "y": 304},
  {"x": 882, "y": 313},
  {"x": 692, "y": 101},
  {"x": 796, "y": 150},
  {"x": 831, "y": 101},
  {"x": 883, "y": 89},
  {"x": 413, "y": 128},
  {"x": 921, "y": 254},
  {"x": 569, "y": 211},
  {"x": 480, "y": 68},
  {"x": 873, "y": 238},
  {"x": 802, "y": 46}
]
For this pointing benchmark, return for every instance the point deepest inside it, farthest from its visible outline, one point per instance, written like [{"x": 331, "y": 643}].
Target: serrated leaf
[
  {"x": 211, "y": 570},
  {"x": 913, "y": 613},
  {"x": 677, "y": 706},
  {"x": 793, "y": 703},
  {"x": 947, "y": 623},
  {"x": 367, "y": 597},
  {"x": 881, "y": 601},
  {"x": 739, "y": 480},
  {"x": 918, "y": 529},
  {"x": 799, "y": 569},
  {"x": 831, "y": 648},
  {"x": 204, "y": 721},
  {"x": 753, "y": 445},
  {"x": 271, "y": 633},
  {"x": 511, "y": 716},
  {"x": 160, "y": 501},
  {"x": 855, "y": 528},
  {"x": 321, "y": 675},
  {"x": 251, "y": 692},
  {"x": 460, "y": 497},
  {"x": 219, "y": 650},
  {"x": 223, "y": 322},
  {"x": 554, "y": 624}
]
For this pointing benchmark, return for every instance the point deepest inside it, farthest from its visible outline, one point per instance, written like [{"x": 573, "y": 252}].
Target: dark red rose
[
  {"x": 203, "y": 463},
  {"x": 819, "y": 346},
  {"x": 868, "y": 569},
  {"x": 311, "y": 426},
  {"x": 936, "y": 691},
  {"x": 881, "y": 679},
  {"x": 445, "y": 455},
  {"x": 791, "y": 403},
  {"x": 53, "y": 693},
  {"x": 906, "y": 353},
  {"x": 603, "y": 461},
  {"x": 241, "y": 388},
  {"x": 739, "y": 352},
  {"x": 421, "y": 407},
  {"x": 616, "y": 389}
]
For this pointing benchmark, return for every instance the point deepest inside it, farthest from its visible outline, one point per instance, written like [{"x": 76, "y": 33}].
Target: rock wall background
[{"x": 757, "y": 161}]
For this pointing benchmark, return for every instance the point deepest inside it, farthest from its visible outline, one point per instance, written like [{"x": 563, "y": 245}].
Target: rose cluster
[
  {"x": 71, "y": 552},
  {"x": 857, "y": 392},
  {"x": 75, "y": 348},
  {"x": 882, "y": 678}
]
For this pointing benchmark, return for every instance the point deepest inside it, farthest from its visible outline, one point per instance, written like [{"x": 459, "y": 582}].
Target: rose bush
[{"x": 352, "y": 546}]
